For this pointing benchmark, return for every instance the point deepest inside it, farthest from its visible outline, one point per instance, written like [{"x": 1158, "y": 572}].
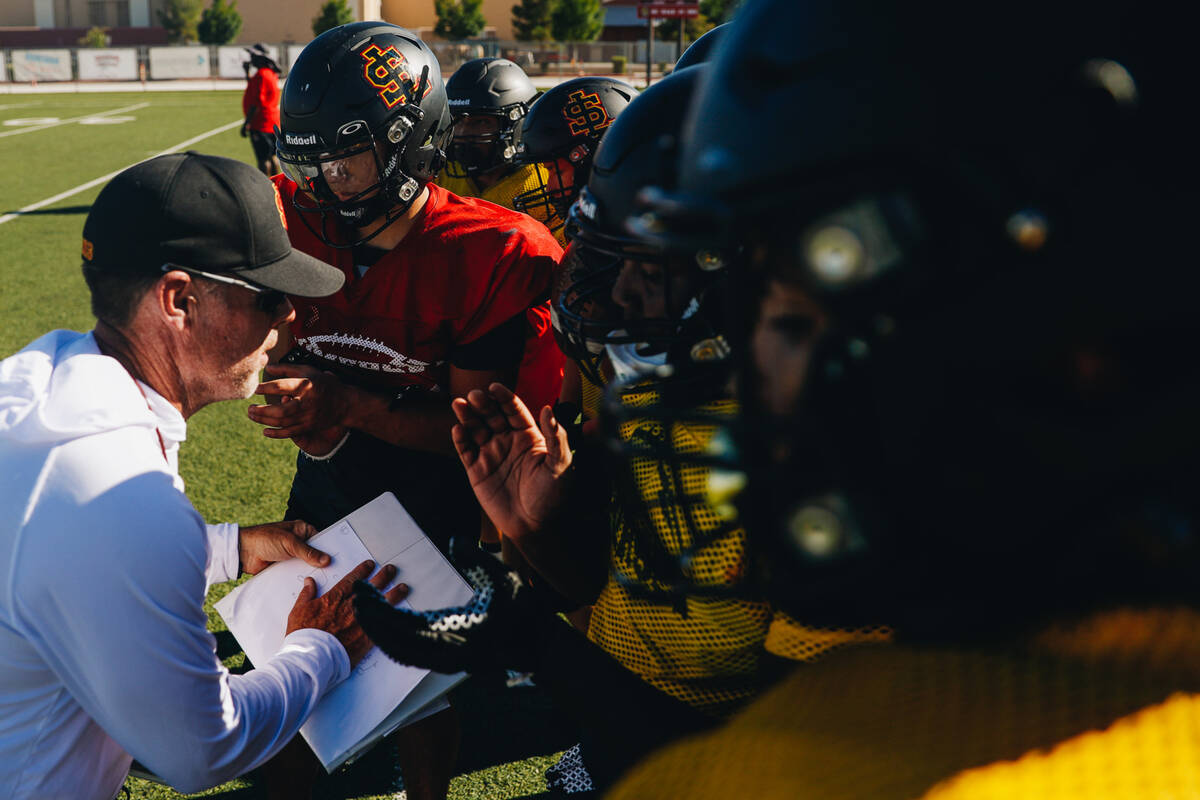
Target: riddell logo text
[
  {"x": 292, "y": 138},
  {"x": 587, "y": 206}
]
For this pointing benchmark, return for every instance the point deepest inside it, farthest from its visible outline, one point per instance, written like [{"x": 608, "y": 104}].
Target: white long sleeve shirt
[{"x": 104, "y": 566}]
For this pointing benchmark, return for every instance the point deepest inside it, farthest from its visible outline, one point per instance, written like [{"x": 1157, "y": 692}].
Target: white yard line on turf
[
  {"x": 33, "y": 128},
  {"x": 83, "y": 187}
]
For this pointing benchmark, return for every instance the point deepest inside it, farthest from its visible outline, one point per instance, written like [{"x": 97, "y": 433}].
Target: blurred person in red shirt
[{"x": 260, "y": 105}]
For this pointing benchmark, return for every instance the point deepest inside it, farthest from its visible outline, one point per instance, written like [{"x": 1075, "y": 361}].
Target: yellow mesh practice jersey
[
  {"x": 795, "y": 641},
  {"x": 502, "y": 192},
  {"x": 592, "y": 396},
  {"x": 1081, "y": 715},
  {"x": 702, "y": 650}
]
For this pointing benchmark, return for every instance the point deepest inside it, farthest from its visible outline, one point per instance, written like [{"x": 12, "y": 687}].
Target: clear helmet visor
[
  {"x": 334, "y": 177},
  {"x": 351, "y": 175}
]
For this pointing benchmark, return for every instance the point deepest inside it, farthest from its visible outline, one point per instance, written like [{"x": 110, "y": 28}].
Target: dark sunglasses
[{"x": 267, "y": 300}]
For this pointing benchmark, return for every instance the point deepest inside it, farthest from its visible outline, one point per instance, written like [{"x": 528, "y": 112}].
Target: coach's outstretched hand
[
  {"x": 499, "y": 629},
  {"x": 517, "y": 466}
]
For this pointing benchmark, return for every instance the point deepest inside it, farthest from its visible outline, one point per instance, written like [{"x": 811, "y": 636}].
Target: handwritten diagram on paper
[{"x": 256, "y": 613}]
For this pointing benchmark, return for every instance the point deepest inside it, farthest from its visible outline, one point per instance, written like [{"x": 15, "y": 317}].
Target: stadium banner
[
  {"x": 3, "y": 67},
  {"x": 107, "y": 65},
  {"x": 41, "y": 65},
  {"x": 230, "y": 60},
  {"x": 179, "y": 62}
]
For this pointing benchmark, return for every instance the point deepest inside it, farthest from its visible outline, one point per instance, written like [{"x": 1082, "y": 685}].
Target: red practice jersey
[
  {"x": 262, "y": 94},
  {"x": 466, "y": 267}
]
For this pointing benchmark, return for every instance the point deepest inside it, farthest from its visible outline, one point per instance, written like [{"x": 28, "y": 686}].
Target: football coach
[{"x": 104, "y": 564}]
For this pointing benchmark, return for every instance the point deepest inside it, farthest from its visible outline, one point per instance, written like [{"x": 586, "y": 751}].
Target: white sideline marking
[
  {"x": 83, "y": 187},
  {"x": 43, "y": 127}
]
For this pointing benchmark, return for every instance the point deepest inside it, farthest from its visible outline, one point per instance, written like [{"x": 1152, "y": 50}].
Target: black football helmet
[
  {"x": 363, "y": 127},
  {"x": 638, "y": 150},
  {"x": 997, "y": 421},
  {"x": 701, "y": 50},
  {"x": 567, "y": 122},
  {"x": 487, "y": 87}
]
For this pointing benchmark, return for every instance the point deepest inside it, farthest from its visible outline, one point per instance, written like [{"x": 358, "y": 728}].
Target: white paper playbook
[{"x": 380, "y": 695}]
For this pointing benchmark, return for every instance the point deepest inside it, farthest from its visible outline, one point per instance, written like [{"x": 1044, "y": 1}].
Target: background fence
[{"x": 211, "y": 62}]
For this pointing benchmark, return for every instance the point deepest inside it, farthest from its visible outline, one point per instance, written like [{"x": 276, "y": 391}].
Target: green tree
[
  {"x": 95, "y": 37},
  {"x": 693, "y": 29},
  {"x": 576, "y": 20},
  {"x": 458, "y": 19},
  {"x": 179, "y": 17},
  {"x": 718, "y": 11},
  {"x": 220, "y": 23},
  {"x": 531, "y": 20},
  {"x": 332, "y": 14}
]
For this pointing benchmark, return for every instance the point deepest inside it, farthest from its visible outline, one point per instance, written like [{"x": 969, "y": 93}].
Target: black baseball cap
[
  {"x": 204, "y": 212},
  {"x": 260, "y": 50}
]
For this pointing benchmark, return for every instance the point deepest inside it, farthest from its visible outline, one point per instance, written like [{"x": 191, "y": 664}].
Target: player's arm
[
  {"x": 425, "y": 425},
  {"x": 318, "y": 401}
]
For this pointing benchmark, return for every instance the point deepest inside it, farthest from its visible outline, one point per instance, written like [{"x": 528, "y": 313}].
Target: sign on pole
[{"x": 662, "y": 9}]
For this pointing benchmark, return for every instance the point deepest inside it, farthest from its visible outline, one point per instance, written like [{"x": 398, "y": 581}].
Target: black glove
[
  {"x": 501, "y": 628},
  {"x": 244, "y": 132}
]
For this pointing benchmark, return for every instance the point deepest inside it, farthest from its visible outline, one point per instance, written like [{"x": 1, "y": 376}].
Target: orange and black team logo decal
[
  {"x": 387, "y": 70},
  {"x": 585, "y": 114}
]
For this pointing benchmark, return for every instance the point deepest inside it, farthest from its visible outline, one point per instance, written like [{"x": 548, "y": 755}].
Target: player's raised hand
[
  {"x": 516, "y": 466},
  {"x": 312, "y": 401}
]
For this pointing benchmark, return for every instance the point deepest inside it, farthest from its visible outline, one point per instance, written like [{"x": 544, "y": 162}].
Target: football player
[
  {"x": 561, "y": 133},
  {"x": 260, "y": 106},
  {"x": 443, "y": 294},
  {"x": 489, "y": 98},
  {"x": 970, "y": 398}
]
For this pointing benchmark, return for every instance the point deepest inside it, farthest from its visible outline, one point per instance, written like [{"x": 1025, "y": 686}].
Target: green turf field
[{"x": 233, "y": 473}]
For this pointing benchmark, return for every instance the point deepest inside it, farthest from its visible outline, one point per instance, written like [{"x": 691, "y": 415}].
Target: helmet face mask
[
  {"x": 364, "y": 124},
  {"x": 483, "y": 141},
  {"x": 554, "y": 194}
]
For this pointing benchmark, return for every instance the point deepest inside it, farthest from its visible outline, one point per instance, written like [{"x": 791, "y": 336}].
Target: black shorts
[
  {"x": 432, "y": 488},
  {"x": 263, "y": 144}
]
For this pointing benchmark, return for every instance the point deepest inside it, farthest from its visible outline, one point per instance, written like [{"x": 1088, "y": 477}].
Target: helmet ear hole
[{"x": 399, "y": 130}]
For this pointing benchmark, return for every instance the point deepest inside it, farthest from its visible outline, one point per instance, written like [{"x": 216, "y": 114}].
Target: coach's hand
[
  {"x": 499, "y": 629},
  {"x": 516, "y": 466},
  {"x": 260, "y": 546},
  {"x": 333, "y": 611},
  {"x": 315, "y": 401}
]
